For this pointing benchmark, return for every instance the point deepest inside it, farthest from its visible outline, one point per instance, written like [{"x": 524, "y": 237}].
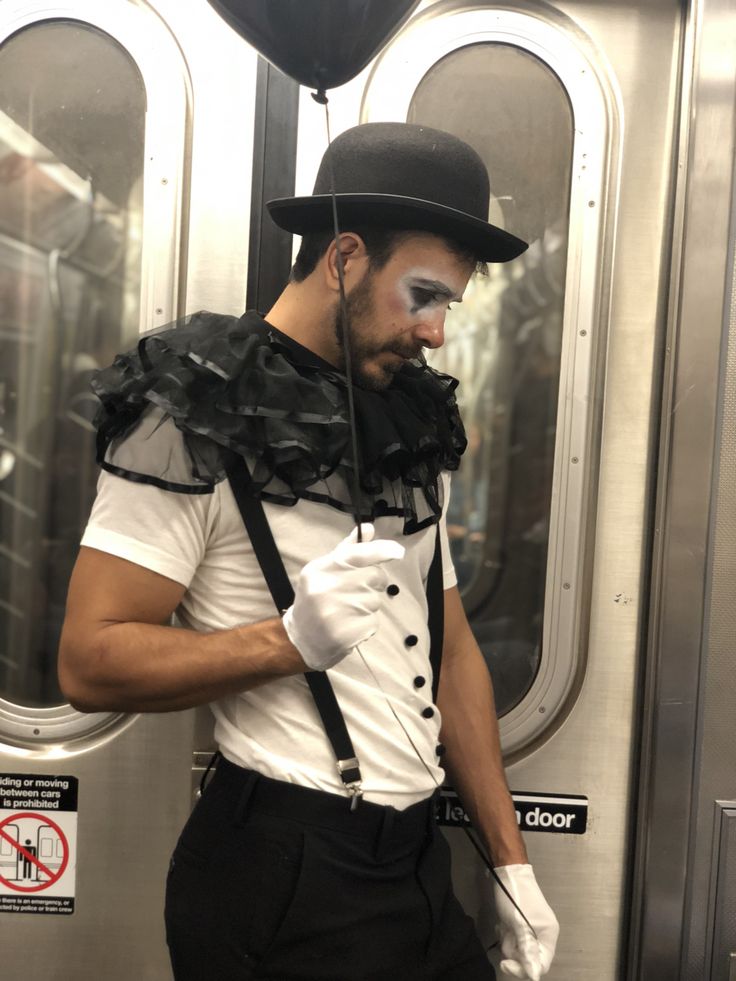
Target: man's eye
[{"x": 423, "y": 297}]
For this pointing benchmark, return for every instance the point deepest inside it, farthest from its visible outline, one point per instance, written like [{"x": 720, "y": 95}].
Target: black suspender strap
[
  {"x": 269, "y": 559},
  {"x": 436, "y": 615},
  {"x": 259, "y": 532}
]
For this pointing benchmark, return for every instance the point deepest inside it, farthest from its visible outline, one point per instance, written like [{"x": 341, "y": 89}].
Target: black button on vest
[
  {"x": 411, "y": 640},
  {"x": 440, "y": 749},
  {"x": 393, "y": 589},
  {"x": 428, "y": 712},
  {"x": 419, "y": 681}
]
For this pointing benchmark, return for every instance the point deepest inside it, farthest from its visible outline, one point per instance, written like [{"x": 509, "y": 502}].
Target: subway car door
[
  {"x": 125, "y": 177},
  {"x": 574, "y": 108}
]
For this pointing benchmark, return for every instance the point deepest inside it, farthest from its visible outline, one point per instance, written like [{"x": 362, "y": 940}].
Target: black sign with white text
[{"x": 562, "y": 814}]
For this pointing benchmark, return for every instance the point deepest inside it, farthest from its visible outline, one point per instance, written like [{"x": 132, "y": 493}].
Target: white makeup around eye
[{"x": 419, "y": 293}]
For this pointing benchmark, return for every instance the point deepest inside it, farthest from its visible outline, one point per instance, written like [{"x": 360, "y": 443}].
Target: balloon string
[{"x": 344, "y": 326}]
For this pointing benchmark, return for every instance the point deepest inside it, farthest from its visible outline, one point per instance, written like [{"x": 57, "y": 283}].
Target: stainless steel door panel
[
  {"x": 222, "y": 73},
  {"x": 134, "y": 796},
  {"x": 689, "y": 722}
]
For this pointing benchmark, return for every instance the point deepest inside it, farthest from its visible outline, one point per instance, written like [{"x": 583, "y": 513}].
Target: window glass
[
  {"x": 503, "y": 344},
  {"x": 72, "y": 112}
]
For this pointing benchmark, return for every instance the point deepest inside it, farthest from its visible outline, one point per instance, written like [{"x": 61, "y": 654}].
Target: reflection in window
[
  {"x": 503, "y": 343},
  {"x": 72, "y": 111}
]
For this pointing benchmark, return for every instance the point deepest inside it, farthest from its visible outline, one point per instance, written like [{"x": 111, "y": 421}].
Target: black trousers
[{"x": 273, "y": 881}]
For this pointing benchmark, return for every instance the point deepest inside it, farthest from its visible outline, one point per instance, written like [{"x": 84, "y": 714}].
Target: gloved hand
[
  {"x": 337, "y": 597},
  {"x": 525, "y": 956}
]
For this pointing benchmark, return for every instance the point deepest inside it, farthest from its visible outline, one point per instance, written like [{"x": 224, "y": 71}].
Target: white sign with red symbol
[{"x": 38, "y": 843}]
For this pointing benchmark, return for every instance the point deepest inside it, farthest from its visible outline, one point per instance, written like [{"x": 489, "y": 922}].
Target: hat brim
[{"x": 314, "y": 213}]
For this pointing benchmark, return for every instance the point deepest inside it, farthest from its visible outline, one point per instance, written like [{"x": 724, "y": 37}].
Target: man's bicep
[{"x": 105, "y": 589}]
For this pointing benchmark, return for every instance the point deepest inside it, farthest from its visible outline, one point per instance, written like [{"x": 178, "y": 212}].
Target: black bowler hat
[{"x": 397, "y": 175}]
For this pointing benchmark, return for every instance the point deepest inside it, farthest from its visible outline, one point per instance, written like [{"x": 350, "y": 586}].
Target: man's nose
[{"x": 430, "y": 330}]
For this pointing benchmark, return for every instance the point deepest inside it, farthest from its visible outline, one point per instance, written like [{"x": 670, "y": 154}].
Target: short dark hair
[{"x": 380, "y": 244}]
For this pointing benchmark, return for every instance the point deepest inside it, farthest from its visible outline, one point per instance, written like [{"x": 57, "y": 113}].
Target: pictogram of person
[{"x": 28, "y": 865}]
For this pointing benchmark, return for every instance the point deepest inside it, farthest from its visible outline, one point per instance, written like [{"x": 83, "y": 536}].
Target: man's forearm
[
  {"x": 473, "y": 750},
  {"x": 142, "y": 667}
]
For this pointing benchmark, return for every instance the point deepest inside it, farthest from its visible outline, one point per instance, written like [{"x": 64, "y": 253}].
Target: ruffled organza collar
[{"x": 238, "y": 385}]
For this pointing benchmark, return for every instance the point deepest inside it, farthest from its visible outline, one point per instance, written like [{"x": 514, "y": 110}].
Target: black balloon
[{"x": 319, "y": 43}]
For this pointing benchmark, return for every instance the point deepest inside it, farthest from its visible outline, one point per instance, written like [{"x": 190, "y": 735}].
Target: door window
[
  {"x": 504, "y": 344},
  {"x": 72, "y": 116}
]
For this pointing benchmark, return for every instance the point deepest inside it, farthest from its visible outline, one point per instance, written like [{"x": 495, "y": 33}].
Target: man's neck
[{"x": 302, "y": 313}]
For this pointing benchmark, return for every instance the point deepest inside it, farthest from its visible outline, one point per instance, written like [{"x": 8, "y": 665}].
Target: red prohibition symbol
[{"x": 53, "y": 876}]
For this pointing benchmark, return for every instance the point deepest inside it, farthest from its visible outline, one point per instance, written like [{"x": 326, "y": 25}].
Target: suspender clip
[{"x": 349, "y": 770}]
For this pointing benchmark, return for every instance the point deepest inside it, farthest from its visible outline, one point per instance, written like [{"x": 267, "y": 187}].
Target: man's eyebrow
[{"x": 437, "y": 286}]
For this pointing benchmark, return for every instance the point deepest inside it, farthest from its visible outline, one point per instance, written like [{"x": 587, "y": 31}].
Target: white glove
[
  {"x": 337, "y": 597},
  {"x": 526, "y": 956}
]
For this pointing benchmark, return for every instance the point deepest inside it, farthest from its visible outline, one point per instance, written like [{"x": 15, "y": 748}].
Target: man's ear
[{"x": 354, "y": 260}]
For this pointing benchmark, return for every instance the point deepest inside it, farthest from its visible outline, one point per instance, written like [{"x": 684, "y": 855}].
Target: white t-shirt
[{"x": 199, "y": 541}]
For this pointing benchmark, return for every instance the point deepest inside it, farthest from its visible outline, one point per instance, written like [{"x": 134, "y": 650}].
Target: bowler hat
[{"x": 397, "y": 175}]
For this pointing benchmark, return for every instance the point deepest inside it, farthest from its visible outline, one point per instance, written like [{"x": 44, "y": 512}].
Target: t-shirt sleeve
[{"x": 161, "y": 530}]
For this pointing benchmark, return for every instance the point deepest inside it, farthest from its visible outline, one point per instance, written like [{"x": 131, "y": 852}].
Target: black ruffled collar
[{"x": 239, "y": 385}]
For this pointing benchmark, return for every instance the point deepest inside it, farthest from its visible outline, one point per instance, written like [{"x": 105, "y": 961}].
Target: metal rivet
[
  {"x": 542, "y": 709},
  {"x": 159, "y": 310},
  {"x": 583, "y": 333},
  {"x": 591, "y": 204},
  {"x": 36, "y": 732},
  {"x": 575, "y": 460},
  {"x": 566, "y": 585},
  {"x": 164, "y": 180}
]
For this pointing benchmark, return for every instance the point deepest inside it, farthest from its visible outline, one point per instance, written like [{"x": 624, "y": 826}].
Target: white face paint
[{"x": 422, "y": 291}]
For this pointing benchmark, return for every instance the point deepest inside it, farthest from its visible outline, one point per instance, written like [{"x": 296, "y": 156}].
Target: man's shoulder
[{"x": 157, "y": 451}]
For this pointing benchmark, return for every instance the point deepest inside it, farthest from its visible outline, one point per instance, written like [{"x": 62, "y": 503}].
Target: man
[{"x": 305, "y": 859}]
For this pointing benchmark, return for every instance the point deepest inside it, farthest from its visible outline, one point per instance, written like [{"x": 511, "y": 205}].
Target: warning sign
[{"x": 38, "y": 843}]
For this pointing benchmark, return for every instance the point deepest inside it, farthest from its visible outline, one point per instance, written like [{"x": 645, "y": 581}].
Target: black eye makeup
[
  {"x": 425, "y": 293},
  {"x": 423, "y": 298}
]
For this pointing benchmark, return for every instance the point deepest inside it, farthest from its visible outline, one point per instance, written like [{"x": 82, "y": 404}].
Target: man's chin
[
  {"x": 378, "y": 382},
  {"x": 376, "y": 377}
]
